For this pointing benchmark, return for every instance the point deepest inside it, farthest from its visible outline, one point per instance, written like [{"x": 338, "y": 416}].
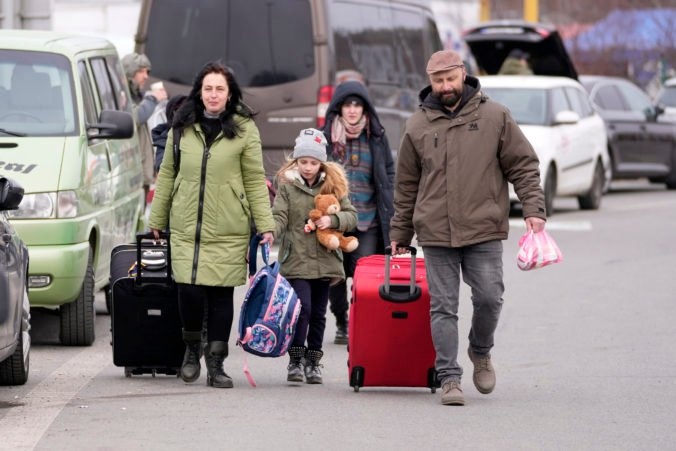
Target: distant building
[
  {"x": 115, "y": 20},
  {"x": 453, "y": 17}
]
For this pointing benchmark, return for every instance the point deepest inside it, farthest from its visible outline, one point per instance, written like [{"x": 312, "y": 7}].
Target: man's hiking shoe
[
  {"x": 484, "y": 374},
  {"x": 452, "y": 394}
]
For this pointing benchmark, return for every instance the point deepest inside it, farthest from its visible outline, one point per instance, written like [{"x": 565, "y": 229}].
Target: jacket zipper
[{"x": 200, "y": 210}]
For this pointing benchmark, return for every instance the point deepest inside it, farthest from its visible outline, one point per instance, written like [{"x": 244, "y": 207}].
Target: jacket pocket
[
  {"x": 241, "y": 197},
  {"x": 339, "y": 255},
  {"x": 230, "y": 218},
  {"x": 179, "y": 210},
  {"x": 285, "y": 251}
]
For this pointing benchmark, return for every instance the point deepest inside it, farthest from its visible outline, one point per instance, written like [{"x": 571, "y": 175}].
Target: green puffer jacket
[
  {"x": 300, "y": 254},
  {"x": 209, "y": 245}
]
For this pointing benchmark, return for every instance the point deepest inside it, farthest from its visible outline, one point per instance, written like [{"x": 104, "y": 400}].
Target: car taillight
[
  {"x": 323, "y": 99},
  {"x": 542, "y": 32}
]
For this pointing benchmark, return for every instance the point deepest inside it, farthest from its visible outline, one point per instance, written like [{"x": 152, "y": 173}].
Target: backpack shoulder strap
[{"x": 177, "y": 149}]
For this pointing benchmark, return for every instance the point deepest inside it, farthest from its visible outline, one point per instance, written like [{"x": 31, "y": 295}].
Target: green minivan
[{"x": 67, "y": 136}]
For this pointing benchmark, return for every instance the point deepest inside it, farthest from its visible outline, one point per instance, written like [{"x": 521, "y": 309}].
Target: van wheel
[
  {"x": 592, "y": 200},
  {"x": 671, "y": 178},
  {"x": 550, "y": 190},
  {"x": 14, "y": 369},
  {"x": 77, "y": 317}
]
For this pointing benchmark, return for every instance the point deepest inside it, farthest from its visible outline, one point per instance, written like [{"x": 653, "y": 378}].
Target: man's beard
[{"x": 449, "y": 98}]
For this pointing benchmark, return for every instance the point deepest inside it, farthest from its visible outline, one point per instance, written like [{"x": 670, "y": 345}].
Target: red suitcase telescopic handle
[{"x": 399, "y": 293}]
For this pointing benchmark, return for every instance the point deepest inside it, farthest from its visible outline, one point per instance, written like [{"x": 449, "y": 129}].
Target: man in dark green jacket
[
  {"x": 516, "y": 63},
  {"x": 457, "y": 154}
]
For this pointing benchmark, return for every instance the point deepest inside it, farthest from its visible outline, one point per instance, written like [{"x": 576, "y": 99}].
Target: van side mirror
[
  {"x": 112, "y": 125},
  {"x": 11, "y": 194}
]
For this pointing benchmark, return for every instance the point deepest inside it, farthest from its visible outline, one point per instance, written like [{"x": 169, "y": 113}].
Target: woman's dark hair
[
  {"x": 173, "y": 105},
  {"x": 192, "y": 109}
]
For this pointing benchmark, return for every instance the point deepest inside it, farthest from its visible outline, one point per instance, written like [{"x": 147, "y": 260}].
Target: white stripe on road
[{"x": 24, "y": 425}]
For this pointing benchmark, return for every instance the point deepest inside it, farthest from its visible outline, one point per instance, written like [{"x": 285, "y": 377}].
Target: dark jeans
[
  {"x": 368, "y": 245},
  {"x": 192, "y": 300},
  {"x": 314, "y": 296}
]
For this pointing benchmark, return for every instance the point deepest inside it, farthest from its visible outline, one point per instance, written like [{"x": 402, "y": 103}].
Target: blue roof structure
[
  {"x": 632, "y": 29},
  {"x": 633, "y": 37}
]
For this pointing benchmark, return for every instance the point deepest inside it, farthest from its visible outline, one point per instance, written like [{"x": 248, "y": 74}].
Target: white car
[
  {"x": 567, "y": 134},
  {"x": 666, "y": 99}
]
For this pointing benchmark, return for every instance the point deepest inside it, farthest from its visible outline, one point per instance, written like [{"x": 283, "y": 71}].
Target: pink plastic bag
[{"x": 537, "y": 250}]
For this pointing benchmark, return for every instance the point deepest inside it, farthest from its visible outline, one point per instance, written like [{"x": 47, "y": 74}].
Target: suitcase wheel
[
  {"x": 432, "y": 380},
  {"x": 129, "y": 371},
  {"x": 357, "y": 378}
]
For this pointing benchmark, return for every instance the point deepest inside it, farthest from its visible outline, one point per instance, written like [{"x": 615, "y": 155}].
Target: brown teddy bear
[{"x": 332, "y": 239}]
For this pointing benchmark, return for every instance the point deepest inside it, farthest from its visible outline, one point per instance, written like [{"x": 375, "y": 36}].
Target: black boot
[
  {"x": 341, "y": 330},
  {"x": 190, "y": 369},
  {"x": 313, "y": 372},
  {"x": 296, "y": 364},
  {"x": 214, "y": 355}
]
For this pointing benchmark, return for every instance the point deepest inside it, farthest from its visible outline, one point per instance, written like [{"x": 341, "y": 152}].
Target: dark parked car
[
  {"x": 15, "y": 341},
  {"x": 639, "y": 144},
  {"x": 492, "y": 41}
]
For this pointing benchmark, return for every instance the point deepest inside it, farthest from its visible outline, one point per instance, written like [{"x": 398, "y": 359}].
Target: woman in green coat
[{"x": 209, "y": 203}]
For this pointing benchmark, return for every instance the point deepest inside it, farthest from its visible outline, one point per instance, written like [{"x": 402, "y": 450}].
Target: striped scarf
[{"x": 341, "y": 131}]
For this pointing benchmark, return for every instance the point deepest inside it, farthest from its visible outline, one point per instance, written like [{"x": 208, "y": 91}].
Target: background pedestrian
[
  {"x": 137, "y": 69},
  {"x": 357, "y": 141}
]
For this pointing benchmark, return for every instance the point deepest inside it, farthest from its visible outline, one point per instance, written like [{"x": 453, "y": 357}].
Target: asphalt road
[{"x": 584, "y": 357}]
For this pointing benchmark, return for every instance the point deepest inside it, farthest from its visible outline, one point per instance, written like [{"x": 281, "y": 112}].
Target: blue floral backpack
[{"x": 267, "y": 320}]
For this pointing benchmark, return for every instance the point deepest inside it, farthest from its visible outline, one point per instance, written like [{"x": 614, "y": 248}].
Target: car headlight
[
  {"x": 47, "y": 206},
  {"x": 67, "y": 204}
]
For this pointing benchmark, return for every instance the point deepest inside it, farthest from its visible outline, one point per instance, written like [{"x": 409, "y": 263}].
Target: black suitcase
[{"x": 145, "y": 323}]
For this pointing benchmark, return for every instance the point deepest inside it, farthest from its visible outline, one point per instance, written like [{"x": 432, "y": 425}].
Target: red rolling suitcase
[{"x": 390, "y": 341}]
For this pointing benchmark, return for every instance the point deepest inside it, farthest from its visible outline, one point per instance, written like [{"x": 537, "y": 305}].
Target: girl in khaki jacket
[{"x": 309, "y": 266}]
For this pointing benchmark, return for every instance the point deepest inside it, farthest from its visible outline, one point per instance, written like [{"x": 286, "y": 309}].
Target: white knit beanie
[{"x": 310, "y": 143}]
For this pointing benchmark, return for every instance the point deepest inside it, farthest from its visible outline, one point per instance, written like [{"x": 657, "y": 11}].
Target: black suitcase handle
[
  {"x": 400, "y": 293},
  {"x": 138, "y": 279}
]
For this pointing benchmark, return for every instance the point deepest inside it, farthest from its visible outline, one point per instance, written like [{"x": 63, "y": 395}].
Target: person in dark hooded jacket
[
  {"x": 357, "y": 140},
  {"x": 161, "y": 131}
]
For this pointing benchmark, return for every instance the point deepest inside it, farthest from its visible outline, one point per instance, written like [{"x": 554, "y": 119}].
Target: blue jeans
[{"x": 481, "y": 266}]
